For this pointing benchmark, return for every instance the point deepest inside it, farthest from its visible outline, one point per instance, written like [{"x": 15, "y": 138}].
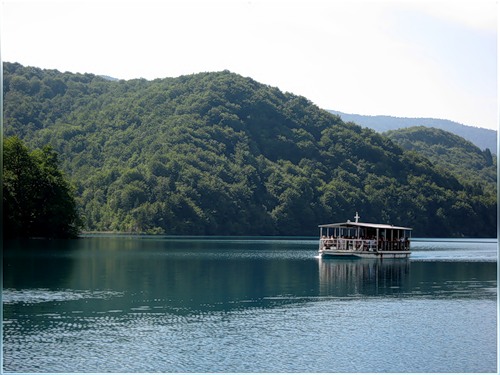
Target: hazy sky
[{"x": 401, "y": 58}]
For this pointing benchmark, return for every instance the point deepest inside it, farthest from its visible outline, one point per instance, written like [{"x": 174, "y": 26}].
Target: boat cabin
[{"x": 362, "y": 239}]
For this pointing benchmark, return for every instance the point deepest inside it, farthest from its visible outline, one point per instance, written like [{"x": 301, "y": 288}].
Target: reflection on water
[
  {"x": 367, "y": 277},
  {"x": 176, "y": 275},
  {"x": 156, "y": 304},
  {"x": 404, "y": 278}
]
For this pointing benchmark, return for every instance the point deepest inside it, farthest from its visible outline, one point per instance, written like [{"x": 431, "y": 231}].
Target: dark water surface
[{"x": 234, "y": 304}]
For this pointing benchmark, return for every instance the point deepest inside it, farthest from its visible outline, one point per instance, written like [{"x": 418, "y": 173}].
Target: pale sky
[{"x": 406, "y": 58}]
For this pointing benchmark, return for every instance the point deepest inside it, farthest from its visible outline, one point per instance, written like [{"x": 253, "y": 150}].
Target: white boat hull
[{"x": 364, "y": 254}]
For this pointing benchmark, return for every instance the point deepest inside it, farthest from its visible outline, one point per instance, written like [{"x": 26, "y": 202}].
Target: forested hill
[
  {"x": 450, "y": 152},
  {"x": 218, "y": 153},
  {"x": 483, "y": 138}
]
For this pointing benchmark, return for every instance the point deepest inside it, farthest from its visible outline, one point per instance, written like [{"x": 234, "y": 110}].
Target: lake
[{"x": 246, "y": 304}]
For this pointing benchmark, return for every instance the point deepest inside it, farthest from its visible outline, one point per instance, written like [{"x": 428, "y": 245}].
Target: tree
[{"x": 38, "y": 201}]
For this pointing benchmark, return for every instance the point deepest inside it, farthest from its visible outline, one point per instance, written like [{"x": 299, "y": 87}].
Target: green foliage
[
  {"x": 475, "y": 169},
  {"x": 37, "y": 199},
  {"x": 217, "y": 153}
]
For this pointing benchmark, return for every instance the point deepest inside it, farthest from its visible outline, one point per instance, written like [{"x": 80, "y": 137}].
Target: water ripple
[
  {"x": 32, "y": 296},
  {"x": 314, "y": 335}
]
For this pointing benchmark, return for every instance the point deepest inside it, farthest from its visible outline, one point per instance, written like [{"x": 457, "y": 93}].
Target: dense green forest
[
  {"x": 218, "y": 153},
  {"x": 38, "y": 201},
  {"x": 451, "y": 153}
]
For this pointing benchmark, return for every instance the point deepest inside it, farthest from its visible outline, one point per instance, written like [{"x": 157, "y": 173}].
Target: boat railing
[{"x": 356, "y": 244}]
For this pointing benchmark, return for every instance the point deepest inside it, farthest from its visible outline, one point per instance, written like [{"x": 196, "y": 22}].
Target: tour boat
[{"x": 364, "y": 240}]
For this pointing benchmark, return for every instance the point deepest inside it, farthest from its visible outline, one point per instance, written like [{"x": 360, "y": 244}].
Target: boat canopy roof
[{"x": 350, "y": 224}]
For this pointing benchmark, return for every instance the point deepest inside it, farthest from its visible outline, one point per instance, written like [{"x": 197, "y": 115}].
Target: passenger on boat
[{"x": 329, "y": 241}]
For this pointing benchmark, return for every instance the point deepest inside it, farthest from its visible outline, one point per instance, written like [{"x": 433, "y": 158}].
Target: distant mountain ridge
[
  {"x": 483, "y": 138},
  {"x": 109, "y": 78}
]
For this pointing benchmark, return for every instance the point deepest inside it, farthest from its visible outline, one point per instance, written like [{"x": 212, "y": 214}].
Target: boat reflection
[{"x": 371, "y": 277}]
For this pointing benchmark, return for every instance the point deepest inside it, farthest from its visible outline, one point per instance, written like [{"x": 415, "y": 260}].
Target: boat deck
[{"x": 365, "y": 240}]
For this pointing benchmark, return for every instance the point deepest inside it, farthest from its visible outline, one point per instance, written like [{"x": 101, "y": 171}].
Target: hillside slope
[
  {"x": 217, "y": 153},
  {"x": 450, "y": 152},
  {"x": 482, "y": 138}
]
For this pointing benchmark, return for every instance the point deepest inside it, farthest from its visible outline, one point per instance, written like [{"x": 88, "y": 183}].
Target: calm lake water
[{"x": 235, "y": 304}]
